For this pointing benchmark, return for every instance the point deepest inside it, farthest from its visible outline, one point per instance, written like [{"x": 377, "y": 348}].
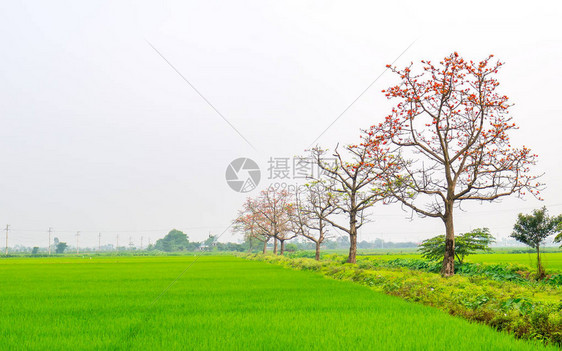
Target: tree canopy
[
  {"x": 451, "y": 126},
  {"x": 175, "y": 240},
  {"x": 60, "y": 247},
  {"x": 533, "y": 229}
]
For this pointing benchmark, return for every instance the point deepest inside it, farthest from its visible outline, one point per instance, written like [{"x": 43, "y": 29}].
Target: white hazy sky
[{"x": 99, "y": 134}]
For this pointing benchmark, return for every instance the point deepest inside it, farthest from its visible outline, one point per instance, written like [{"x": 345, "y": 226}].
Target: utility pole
[
  {"x": 50, "y": 231},
  {"x": 77, "y": 248},
  {"x": 7, "y": 230},
  {"x": 130, "y": 243},
  {"x": 117, "y": 245},
  {"x": 141, "y": 244},
  {"x": 99, "y": 241}
]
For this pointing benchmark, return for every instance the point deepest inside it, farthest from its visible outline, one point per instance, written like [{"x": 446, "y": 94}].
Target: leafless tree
[
  {"x": 312, "y": 207},
  {"x": 355, "y": 185},
  {"x": 272, "y": 211}
]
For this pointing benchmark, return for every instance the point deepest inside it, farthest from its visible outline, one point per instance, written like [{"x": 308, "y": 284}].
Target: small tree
[
  {"x": 252, "y": 224},
  {"x": 533, "y": 229},
  {"x": 355, "y": 179},
  {"x": 466, "y": 244},
  {"x": 35, "y": 250},
  {"x": 267, "y": 216},
  {"x": 310, "y": 210},
  {"x": 60, "y": 247},
  {"x": 273, "y": 209}
]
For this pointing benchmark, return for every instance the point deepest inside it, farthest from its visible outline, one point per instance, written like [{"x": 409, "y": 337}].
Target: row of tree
[{"x": 445, "y": 141}]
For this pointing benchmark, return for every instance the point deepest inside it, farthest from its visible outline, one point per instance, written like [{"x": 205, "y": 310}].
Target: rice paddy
[
  {"x": 219, "y": 303},
  {"x": 552, "y": 261}
]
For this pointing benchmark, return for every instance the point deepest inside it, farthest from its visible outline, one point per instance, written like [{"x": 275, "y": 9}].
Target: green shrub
[{"x": 499, "y": 272}]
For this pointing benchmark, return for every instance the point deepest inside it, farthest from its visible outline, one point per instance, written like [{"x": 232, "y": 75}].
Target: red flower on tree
[{"x": 450, "y": 127}]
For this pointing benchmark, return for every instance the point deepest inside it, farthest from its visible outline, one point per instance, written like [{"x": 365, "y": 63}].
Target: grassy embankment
[{"x": 504, "y": 297}]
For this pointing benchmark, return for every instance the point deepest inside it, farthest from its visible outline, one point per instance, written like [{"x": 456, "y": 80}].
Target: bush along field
[
  {"x": 500, "y": 296},
  {"x": 500, "y": 272}
]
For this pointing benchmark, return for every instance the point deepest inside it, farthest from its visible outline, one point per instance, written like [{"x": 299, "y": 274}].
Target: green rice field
[
  {"x": 551, "y": 260},
  {"x": 219, "y": 303}
]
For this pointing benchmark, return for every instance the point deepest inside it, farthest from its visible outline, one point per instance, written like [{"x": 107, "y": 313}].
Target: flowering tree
[
  {"x": 311, "y": 208},
  {"x": 354, "y": 181},
  {"x": 252, "y": 224},
  {"x": 271, "y": 215},
  {"x": 451, "y": 118}
]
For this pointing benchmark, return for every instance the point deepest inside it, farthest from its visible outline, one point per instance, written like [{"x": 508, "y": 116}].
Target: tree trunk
[
  {"x": 448, "y": 268},
  {"x": 540, "y": 270},
  {"x": 251, "y": 240},
  {"x": 282, "y": 247},
  {"x": 275, "y": 246},
  {"x": 352, "y": 258},
  {"x": 317, "y": 251},
  {"x": 265, "y": 246}
]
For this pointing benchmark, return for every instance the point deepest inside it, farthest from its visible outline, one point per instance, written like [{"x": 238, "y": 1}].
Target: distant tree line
[{"x": 178, "y": 241}]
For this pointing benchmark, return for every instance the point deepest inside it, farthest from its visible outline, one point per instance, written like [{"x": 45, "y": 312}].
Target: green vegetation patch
[{"x": 220, "y": 303}]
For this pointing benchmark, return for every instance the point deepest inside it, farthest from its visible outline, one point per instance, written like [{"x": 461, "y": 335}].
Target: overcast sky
[{"x": 99, "y": 134}]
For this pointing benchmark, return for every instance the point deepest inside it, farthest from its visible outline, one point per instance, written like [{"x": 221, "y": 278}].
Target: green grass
[
  {"x": 220, "y": 303},
  {"x": 552, "y": 261}
]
